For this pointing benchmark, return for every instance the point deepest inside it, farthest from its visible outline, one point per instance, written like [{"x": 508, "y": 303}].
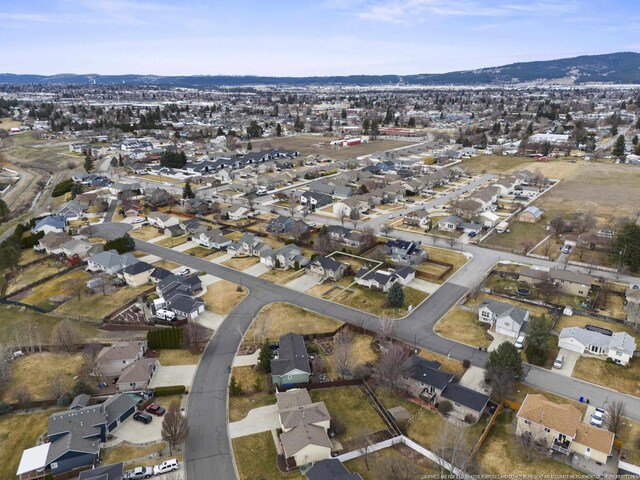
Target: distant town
[{"x": 319, "y": 281}]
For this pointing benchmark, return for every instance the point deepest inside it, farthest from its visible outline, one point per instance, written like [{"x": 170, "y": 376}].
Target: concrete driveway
[
  {"x": 570, "y": 359},
  {"x": 137, "y": 432},
  {"x": 424, "y": 286},
  {"x": 246, "y": 360},
  {"x": 261, "y": 419},
  {"x": 473, "y": 378},
  {"x": 210, "y": 320},
  {"x": 499, "y": 338},
  {"x": 257, "y": 269},
  {"x": 222, "y": 258},
  {"x": 173, "y": 375},
  {"x": 303, "y": 282}
]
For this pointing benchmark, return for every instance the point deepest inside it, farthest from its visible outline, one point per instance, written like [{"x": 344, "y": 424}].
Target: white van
[{"x": 165, "y": 314}]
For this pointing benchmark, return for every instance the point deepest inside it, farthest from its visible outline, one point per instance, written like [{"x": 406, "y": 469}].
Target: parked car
[
  {"x": 472, "y": 234},
  {"x": 163, "y": 314},
  {"x": 142, "y": 417},
  {"x": 566, "y": 249},
  {"x": 138, "y": 220},
  {"x": 138, "y": 472},
  {"x": 184, "y": 271},
  {"x": 520, "y": 342},
  {"x": 166, "y": 466},
  {"x": 598, "y": 417},
  {"x": 155, "y": 409},
  {"x": 558, "y": 362}
]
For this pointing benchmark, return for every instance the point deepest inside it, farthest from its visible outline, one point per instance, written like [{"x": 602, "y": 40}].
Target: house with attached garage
[
  {"x": 291, "y": 366},
  {"x": 212, "y": 239},
  {"x": 137, "y": 375},
  {"x": 383, "y": 280},
  {"x": 560, "y": 428},
  {"x": 177, "y": 293},
  {"x": 237, "y": 213},
  {"x": 304, "y": 425},
  {"x": 107, "y": 472},
  {"x": 417, "y": 218},
  {"x": 315, "y": 200},
  {"x": 284, "y": 258},
  {"x": 571, "y": 283},
  {"x": 49, "y": 224},
  {"x": 110, "y": 262},
  {"x": 80, "y": 248},
  {"x": 137, "y": 274},
  {"x": 113, "y": 359},
  {"x": 506, "y": 319},
  {"x": 162, "y": 220},
  {"x": 72, "y": 210},
  {"x": 74, "y": 437},
  {"x": 450, "y": 223},
  {"x": 280, "y": 224},
  {"x": 327, "y": 268},
  {"x": 406, "y": 252},
  {"x": 618, "y": 346},
  {"x": 52, "y": 243},
  {"x": 424, "y": 379}
]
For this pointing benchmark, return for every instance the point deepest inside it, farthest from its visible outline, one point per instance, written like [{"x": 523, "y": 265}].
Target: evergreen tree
[
  {"x": 343, "y": 114},
  {"x": 505, "y": 358},
  {"x": 618, "y": 148},
  {"x": 220, "y": 132},
  {"x": 120, "y": 160},
  {"x": 264, "y": 359},
  {"x": 538, "y": 336},
  {"x": 4, "y": 211},
  {"x": 411, "y": 123},
  {"x": 187, "y": 191},
  {"x": 88, "y": 163},
  {"x": 627, "y": 246},
  {"x": 249, "y": 146},
  {"x": 396, "y": 296},
  {"x": 366, "y": 125},
  {"x": 278, "y": 130}
]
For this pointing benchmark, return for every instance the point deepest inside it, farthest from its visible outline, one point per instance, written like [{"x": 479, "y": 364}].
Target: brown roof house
[
  {"x": 112, "y": 360},
  {"x": 559, "y": 427},
  {"x": 137, "y": 375},
  {"x": 304, "y": 424}
]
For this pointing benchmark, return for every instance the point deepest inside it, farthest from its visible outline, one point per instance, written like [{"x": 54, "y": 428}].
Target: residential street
[{"x": 207, "y": 451}]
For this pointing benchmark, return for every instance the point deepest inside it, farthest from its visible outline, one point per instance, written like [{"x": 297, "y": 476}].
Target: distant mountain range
[{"x": 623, "y": 67}]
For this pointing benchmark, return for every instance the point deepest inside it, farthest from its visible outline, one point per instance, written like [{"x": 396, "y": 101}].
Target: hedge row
[
  {"x": 170, "y": 390},
  {"x": 164, "y": 338}
]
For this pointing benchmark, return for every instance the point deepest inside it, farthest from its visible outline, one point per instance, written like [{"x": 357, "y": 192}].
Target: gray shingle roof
[
  {"x": 516, "y": 314},
  {"x": 465, "y": 396},
  {"x": 292, "y": 354}
]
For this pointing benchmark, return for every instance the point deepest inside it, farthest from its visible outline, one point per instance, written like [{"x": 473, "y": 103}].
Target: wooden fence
[{"x": 486, "y": 431}]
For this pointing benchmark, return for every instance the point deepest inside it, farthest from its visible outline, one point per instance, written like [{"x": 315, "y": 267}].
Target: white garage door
[{"x": 570, "y": 346}]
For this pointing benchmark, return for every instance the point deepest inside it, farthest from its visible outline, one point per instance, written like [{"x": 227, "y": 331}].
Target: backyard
[
  {"x": 33, "y": 273},
  {"x": 523, "y": 236},
  {"x": 98, "y": 306},
  {"x": 493, "y": 163},
  {"x": 145, "y": 233},
  {"x": 375, "y": 302},
  {"x": 57, "y": 286},
  {"x": 255, "y": 457}
]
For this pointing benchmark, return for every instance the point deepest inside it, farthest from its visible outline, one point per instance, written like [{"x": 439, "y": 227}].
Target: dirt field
[
  {"x": 494, "y": 163},
  {"x": 304, "y": 144},
  {"x": 605, "y": 189}
]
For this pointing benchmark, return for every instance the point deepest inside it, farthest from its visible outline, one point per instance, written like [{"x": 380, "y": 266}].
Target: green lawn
[{"x": 351, "y": 406}]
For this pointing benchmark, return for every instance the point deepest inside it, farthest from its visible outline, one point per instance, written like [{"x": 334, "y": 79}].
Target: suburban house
[
  {"x": 618, "y": 346},
  {"x": 114, "y": 471},
  {"x": 237, "y": 213},
  {"x": 530, "y": 214},
  {"x": 52, "y": 223},
  {"x": 284, "y": 224},
  {"x": 327, "y": 268},
  {"x": 488, "y": 219},
  {"x": 80, "y": 248},
  {"x": 406, "y": 252},
  {"x": 506, "y": 319},
  {"x": 331, "y": 469},
  {"x": 162, "y": 220},
  {"x": 72, "y": 210},
  {"x": 450, "y": 223},
  {"x": 417, "y": 218},
  {"x": 115, "y": 358},
  {"x": 137, "y": 375},
  {"x": 243, "y": 247},
  {"x": 137, "y": 274},
  {"x": 110, "y": 262},
  {"x": 131, "y": 207},
  {"x": 52, "y": 243},
  {"x": 177, "y": 293},
  {"x": 384, "y": 279},
  {"x": 291, "y": 367},
  {"x": 566, "y": 281},
  {"x": 424, "y": 379},
  {"x": 345, "y": 207},
  {"x": 468, "y": 405},
  {"x": 284, "y": 258},
  {"x": 159, "y": 274},
  {"x": 315, "y": 200},
  {"x": 74, "y": 437},
  {"x": 304, "y": 426},
  {"x": 212, "y": 239},
  {"x": 559, "y": 427}
]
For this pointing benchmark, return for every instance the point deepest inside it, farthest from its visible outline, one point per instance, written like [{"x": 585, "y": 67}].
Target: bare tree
[
  {"x": 174, "y": 426},
  {"x": 526, "y": 246},
  {"x": 368, "y": 236},
  {"x": 386, "y": 228},
  {"x": 452, "y": 241},
  {"x": 390, "y": 362},
  {"x": 76, "y": 287},
  {"x": 355, "y": 218},
  {"x": 396, "y": 467},
  {"x": 194, "y": 335},
  {"x": 546, "y": 248},
  {"x": 298, "y": 230},
  {"x": 614, "y": 416},
  {"x": 64, "y": 336},
  {"x": 343, "y": 358},
  {"x": 632, "y": 309},
  {"x": 453, "y": 446},
  {"x": 5, "y": 364},
  {"x": 558, "y": 225},
  {"x": 22, "y": 396},
  {"x": 365, "y": 444},
  {"x": 386, "y": 327},
  {"x": 343, "y": 215},
  {"x": 55, "y": 388},
  {"x": 90, "y": 363},
  {"x": 323, "y": 244}
]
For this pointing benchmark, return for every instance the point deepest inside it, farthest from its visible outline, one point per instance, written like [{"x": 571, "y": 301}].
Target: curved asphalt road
[{"x": 208, "y": 447}]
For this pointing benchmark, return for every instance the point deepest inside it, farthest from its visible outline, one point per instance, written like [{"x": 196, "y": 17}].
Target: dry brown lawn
[
  {"x": 255, "y": 457},
  {"x": 277, "y": 319},
  {"x": 281, "y": 277},
  {"x": 215, "y": 255},
  {"x": 166, "y": 264},
  {"x": 171, "y": 242},
  {"x": 463, "y": 327},
  {"x": 54, "y": 287},
  {"x": 522, "y": 389},
  {"x": 168, "y": 357},
  {"x": 241, "y": 263},
  {"x": 34, "y": 273},
  {"x": 126, "y": 452},
  {"x": 630, "y": 437},
  {"x": 494, "y": 163},
  {"x": 36, "y": 372},
  {"x": 623, "y": 379},
  {"x": 448, "y": 364},
  {"x": 533, "y": 309},
  {"x": 249, "y": 378},
  {"x": 377, "y": 462},
  {"x": 375, "y": 302},
  {"x": 223, "y": 296},
  {"x": 240, "y": 406},
  {"x": 17, "y": 433},
  {"x": 29, "y": 255},
  {"x": 145, "y": 233},
  {"x": 98, "y": 306},
  {"x": 199, "y": 251},
  {"x": 457, "y": 259}
]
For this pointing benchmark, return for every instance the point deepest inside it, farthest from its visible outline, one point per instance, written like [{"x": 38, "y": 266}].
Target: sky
[{"x": 304, "y": 37}]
